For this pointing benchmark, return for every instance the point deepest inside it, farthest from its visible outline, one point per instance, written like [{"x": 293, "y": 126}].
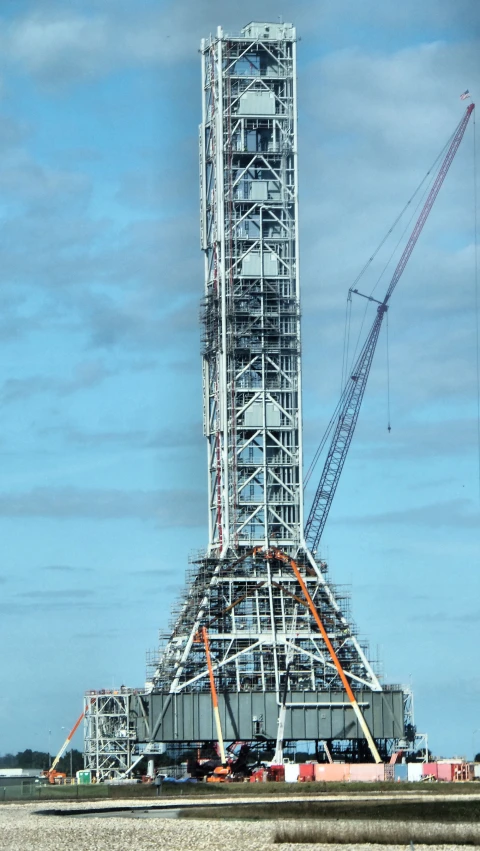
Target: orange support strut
[
  {"x": 311, "y": 605},
  {"x": 213, "y": 690}
]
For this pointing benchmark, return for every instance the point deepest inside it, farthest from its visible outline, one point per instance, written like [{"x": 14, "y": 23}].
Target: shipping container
[
  {"x": 366, "y": 772},
  {"x": 306, "y": 772},
  {"x": 430, "y": 769},
  {"x": 415, "y": 772},
  {"x": 332, "y": 772},
  {"x": 445, "y": 771},
  {"x": 291, "y": 772},
  {"x": 400, "y": 772},
  {"x": 476, "y": 771}
]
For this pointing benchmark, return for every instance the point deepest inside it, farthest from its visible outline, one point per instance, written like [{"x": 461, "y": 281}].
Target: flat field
[{"x": 287, "y": 824}]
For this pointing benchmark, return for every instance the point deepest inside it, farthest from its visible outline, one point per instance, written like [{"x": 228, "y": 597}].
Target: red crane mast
[{"x": 353, "y": 392}]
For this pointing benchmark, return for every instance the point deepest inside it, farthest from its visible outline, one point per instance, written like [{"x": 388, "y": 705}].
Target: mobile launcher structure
[{"x": 285, "y": 659}]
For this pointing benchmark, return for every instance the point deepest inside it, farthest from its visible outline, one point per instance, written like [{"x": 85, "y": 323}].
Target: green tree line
[{"x": 40, "y": 759}]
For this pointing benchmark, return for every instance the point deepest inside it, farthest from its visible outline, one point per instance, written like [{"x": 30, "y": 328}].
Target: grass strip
[
  {"x": 217, "y": 790},
  {"x": 266, "y": 790},
  {"x": 430, "y": 811}
]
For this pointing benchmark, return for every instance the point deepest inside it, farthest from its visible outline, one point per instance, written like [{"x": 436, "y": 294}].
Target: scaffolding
[
  {"x": 251, "y": 309},
  {"x": 252, "y": 422},
  {"x": 110, "y": 732},
  {"x": 251, "y": 350}
]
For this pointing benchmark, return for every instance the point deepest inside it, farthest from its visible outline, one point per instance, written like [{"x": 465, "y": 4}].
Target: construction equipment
[
  {"x": 213, "y": 691},
  {"x": 348, "y": 408},
  {"x": 54, "y": 777},
  {"x": 57, "y": 776},
  {"x": 220, "y": 774},
  {"x": 235, "y": 768}
]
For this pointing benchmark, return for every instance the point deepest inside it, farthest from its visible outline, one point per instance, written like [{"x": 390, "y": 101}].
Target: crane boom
[
  {"x": 353, "y": 392},
  {"x": 66, "y": 744},
  {"x": 213, "y": 691}
]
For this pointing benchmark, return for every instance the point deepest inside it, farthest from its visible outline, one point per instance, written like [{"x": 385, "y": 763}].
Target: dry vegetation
[
  {"x": 379, "y": 833},
  {"x": 428, "y": 810},
  {"x": 24, "y": 828}
]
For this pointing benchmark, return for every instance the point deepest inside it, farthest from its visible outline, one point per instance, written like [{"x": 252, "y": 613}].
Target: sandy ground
[{"x": 23, "y": 828}]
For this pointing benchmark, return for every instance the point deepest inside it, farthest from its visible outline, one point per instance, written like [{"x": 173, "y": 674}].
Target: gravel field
[{"x": 22, "y": 828}]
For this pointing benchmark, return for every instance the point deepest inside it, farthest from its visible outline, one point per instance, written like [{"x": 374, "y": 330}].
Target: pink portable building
[
  {"x": 430, "y": 769},
  {"x": 445, "y": 771},
  {"x": 366, "y": 772},
  {"x": 332, "y": 772}
]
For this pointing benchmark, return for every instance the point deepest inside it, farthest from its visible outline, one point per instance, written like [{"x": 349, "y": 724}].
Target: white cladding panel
[
  {"x": 291, "y": 772},
  {"x": 252, "y": 265},
  {"x": 256, "y": 103},
  {"x": 414, "y": 771},
  {"x": 253, "y": 416},
  {"x": 259, "y": 190},
  {"x": 257, "y": 29}
]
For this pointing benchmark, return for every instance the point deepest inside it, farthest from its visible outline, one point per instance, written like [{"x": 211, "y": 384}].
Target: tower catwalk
[{"x": 252, "y": 391}]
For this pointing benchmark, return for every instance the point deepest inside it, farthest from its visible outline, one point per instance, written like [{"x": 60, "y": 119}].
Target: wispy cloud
[
  {"x": 87, "y": 375},
  {"x": 66, "y": 568},
  {"x": 168, "y": 508},
  {"x": 457, "y": 513},
  {"x": 57, "y": 594},
  {"x": 167, "y": 438},
  {"x": 59, "y": 45}
]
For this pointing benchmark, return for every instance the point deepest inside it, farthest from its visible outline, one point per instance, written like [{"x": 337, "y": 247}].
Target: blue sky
[{"x": 102, "y": 494}]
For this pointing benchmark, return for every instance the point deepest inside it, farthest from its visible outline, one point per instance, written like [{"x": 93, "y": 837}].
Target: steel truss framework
[
  {"x": 252, "y": 393},
  {"x": 251, "y": 352},
  {"x": 110, "y": 732},
  {"x": 249, "y": 606},
  {"x": 251, "y": 312}
]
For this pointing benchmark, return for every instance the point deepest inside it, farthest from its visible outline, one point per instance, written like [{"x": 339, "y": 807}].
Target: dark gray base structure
[
  {"x": 126, "y": 725},
  {"x": 188, "y": 717}
]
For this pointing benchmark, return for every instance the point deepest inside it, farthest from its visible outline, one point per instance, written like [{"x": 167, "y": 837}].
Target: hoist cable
[
  {"x": 477, "y": 302},
  {"x": 389, "y": 427}
]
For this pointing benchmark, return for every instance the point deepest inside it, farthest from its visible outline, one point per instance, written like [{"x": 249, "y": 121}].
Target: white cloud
[
  {"x": 52, "y": 46},
  {"x": 59, "y": 45}
]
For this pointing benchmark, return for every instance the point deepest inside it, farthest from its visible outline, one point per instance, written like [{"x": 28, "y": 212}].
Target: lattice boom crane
[{"x": 353, "y": 392}]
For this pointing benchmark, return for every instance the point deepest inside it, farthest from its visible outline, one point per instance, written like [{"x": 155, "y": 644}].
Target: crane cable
[
  {"x": 477, "y": 301},
  {"x": 389, "y": 426},
  {"x": 346, "y": 337},
  {"x": 387, "y": 264},
  {"x": 346, "y": 341}
]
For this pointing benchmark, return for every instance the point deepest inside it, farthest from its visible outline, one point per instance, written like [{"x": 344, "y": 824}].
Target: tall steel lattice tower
[
  {"x": 252, "y": 392},
  {"x": 264, "y": 641},
  {"x": 251, "y": 309}
]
